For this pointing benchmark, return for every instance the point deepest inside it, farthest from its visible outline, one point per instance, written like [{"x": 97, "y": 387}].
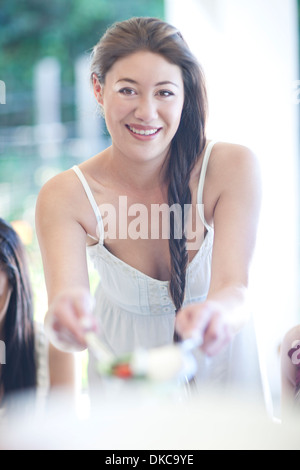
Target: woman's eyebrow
[
  {"x": 130, "y": 80},
  {"x": 167, "y": 82}
]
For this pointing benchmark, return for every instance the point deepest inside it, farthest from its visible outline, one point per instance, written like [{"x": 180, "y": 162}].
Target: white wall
[{"x": 248, "y": 49}]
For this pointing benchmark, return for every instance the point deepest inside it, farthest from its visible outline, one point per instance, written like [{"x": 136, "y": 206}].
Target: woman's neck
[{"x": 137, "y": 175}]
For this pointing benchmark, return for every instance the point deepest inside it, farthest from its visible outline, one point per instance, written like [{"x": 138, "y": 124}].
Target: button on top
[{"x": 163, "y": 288}]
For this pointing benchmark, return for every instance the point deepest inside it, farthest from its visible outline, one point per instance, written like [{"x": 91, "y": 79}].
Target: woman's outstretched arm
[
  {"x": 62, "y": 241},
  {"x": 235, "y": 175}
]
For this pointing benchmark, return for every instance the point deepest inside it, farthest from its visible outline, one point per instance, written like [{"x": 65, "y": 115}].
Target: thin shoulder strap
[
  {"x": 100, "y": 229},
  {"x": 201, "y": 183}
]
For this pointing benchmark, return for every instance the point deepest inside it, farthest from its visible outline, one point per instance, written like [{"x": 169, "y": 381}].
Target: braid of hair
[
  {"x": 186, "y": 147},
  {"x": 179, "y": 194}
]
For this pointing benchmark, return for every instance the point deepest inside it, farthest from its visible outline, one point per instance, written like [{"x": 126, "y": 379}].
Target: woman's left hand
[{"x": 207, "y": 320}]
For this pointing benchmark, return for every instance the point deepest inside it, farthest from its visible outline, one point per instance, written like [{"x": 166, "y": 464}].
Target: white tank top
[{"x": 135, "y": 310}]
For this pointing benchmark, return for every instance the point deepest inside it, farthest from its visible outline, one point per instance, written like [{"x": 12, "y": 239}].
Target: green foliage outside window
[{"x": 32, "y": 29}]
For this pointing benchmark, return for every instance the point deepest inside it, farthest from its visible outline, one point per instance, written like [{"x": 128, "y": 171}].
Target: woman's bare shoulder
[
  {"x": 62, "y": 192},
  {"x": 60, "y": 198},
  {"x": 226, "y": 152},
  {"x": 226, "y": 161},
  {"x": 59, "y": 185},
  {"x": 230, "y": 160}
]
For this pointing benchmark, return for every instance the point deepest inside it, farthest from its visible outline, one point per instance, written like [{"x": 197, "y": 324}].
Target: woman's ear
[{"x": 98, "y": 89}]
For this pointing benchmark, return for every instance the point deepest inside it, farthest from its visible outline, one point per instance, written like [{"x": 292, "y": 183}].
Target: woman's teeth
[{"x": 143, "y": 132}]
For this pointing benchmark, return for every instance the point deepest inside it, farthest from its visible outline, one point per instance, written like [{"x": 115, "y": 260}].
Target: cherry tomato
[{"x": 123, "y": 371}]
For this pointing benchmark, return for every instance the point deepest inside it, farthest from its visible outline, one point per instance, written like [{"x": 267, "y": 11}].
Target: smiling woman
[
  {"x": 148, "y": 103},
  {"x": 153, "y": 290}
]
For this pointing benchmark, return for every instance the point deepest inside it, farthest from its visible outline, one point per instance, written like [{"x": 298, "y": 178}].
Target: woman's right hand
[{"x": 69, "y": 318}]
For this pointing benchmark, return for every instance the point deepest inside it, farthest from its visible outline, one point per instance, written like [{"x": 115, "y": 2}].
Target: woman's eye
[
  {"x": 127, "y": 91},
  {"x": 165, "y": 93}
]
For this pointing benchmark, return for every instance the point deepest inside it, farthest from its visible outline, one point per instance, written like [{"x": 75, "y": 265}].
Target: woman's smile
[{"x": 143, "y": 132}]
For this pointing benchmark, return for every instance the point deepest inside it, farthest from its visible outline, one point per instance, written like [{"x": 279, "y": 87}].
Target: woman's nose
[{"x": 146, "y": 109}]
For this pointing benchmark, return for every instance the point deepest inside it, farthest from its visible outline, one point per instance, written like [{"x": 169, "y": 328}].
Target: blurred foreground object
[{"x": 129, "y": 417}]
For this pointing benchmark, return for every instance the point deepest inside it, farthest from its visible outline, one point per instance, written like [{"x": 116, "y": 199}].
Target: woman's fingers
[
  {"x": 70, "y": 316},
  {"x": 204, "y": 320},
  {"x": 192, "y": 321},
  {"x": 217, "y": 335}
]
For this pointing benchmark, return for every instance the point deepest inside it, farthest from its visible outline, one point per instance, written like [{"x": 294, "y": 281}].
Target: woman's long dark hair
[
  {"x": 154, "y": 35},
  {"x": 19, "y": 372}
]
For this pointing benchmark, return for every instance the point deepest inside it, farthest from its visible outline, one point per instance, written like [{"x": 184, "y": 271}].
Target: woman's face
[
  {"x": 5, "y": 292},
  {"x": 142, "y": 98}
]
